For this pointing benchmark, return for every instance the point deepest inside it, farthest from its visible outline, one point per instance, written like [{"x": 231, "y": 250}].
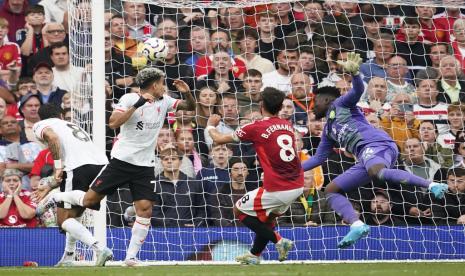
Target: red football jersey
[
  {"x": 13, "y": 219},
  {"x": 273, "y": 139},
  {"x": 9, "y": 52}
]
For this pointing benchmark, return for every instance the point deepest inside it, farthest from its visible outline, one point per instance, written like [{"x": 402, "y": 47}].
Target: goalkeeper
[{"x": 376, "y": 152}]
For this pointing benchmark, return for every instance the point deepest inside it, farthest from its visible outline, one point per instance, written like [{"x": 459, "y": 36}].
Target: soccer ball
[{"x": 155, "y": 49}]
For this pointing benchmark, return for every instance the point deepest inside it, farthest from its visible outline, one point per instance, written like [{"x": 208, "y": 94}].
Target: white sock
[
  {"x": 357, "y": 223},
  {"x": 70, "y": 244},
  {"x": 80, "y": 232},
  {"x": 140, "y": 230},
  {"x": 72, "y": 197}
]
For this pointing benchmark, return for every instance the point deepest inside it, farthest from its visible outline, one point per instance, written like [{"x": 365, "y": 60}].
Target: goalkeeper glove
[
  {"x": 140, "y": 102},
  {"x": 352, "y": 64}
]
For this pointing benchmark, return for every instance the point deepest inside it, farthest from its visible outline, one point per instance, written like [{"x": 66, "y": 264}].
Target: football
[{"x": 155, "y": 49}]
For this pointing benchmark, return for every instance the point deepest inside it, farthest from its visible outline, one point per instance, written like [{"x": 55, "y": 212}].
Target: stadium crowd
[{"x": 414, "y": 74}]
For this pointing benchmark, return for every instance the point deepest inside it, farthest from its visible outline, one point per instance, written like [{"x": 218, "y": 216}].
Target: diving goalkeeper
[{"x": 375, "y": 151}]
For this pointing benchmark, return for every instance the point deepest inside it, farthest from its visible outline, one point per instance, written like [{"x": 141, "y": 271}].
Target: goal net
[{"x": 227, "y": 52}]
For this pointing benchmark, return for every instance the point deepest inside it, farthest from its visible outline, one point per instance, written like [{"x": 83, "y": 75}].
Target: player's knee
[{"x": 144, "y": 209}]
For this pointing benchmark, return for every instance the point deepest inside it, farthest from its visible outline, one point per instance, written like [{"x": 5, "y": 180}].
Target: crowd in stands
[{"x": 414, "y": 74}]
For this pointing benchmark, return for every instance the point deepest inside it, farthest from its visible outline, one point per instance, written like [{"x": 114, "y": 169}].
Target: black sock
[
  {"x": 260, "y": 228},
  {"x": 259, "y": 245}
]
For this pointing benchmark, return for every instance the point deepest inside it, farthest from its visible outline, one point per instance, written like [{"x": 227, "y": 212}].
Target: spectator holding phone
[{"x": 400, "y": 123}]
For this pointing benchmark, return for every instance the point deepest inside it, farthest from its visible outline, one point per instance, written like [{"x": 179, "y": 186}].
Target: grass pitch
[{"x": 333, "y": 269}]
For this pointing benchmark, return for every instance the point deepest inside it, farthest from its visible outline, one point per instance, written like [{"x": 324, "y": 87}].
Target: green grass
[{"x": 388, "y": 269}]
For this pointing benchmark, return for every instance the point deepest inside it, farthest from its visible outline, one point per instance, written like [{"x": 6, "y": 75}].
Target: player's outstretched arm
[
  {"x": 218, "y": 137},
  {"x": 322, "y": 152},
  {"x": 189, "y": 102},
  {"x": 352, "y": 66}
]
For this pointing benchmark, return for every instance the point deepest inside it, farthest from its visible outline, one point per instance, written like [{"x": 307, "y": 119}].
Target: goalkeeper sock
[
  {"x": 70, "y": 244},
  {"x": 72, "y": 197},
  {"x": 341, "y": 205},
  {"x": 402, "y": 177},
  {"x": 261, "y": 229},
  {"x": 140, "y": 230},
  {"x": 80, "y": 232}
]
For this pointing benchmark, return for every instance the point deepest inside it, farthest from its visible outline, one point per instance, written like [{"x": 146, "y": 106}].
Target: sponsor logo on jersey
[{"x": 140, "y": 125}]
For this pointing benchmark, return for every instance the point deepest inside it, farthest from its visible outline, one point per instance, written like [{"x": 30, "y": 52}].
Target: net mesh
[{"x": 279, "y": 40}]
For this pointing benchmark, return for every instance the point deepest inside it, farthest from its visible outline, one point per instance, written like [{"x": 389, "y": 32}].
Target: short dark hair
[
  {"x": 23, "y": 80},
  {"x": 272, "y": 100},
  {"x": 168, "y": 38},
  {"x": 412, "y": 21},
  {"x": 235, "y": 160},
  {"x": 49, "y": 110},
  {"x": 252, "y": 73},
  {"x": 458, "y": 172},
  {"x": 247, "y": 32},
  {"x": 34, "y": 9},
  {"x": 329, "y": 91},
  {"x": 58, "y": 45},
  {"x": 432, "y": 123}
]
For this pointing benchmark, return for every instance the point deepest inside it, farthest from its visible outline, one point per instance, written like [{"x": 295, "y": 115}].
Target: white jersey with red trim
[
  {"x": 137, "y": 139},
  {"x": 77, "y": 149}
]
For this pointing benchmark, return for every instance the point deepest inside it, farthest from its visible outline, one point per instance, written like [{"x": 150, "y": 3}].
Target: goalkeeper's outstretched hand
[{"x": 352, "y": 64}]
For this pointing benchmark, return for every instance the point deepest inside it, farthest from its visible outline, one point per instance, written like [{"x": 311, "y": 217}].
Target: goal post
[{"x": 420, "y": 241}]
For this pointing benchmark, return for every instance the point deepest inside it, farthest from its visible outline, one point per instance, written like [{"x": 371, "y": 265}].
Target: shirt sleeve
[
  {"x": 245, "y": 133},
  {"x": 126, "y": 102},
  {"x": 39, "y": 128},
  {"x": 171, "y": 102}
]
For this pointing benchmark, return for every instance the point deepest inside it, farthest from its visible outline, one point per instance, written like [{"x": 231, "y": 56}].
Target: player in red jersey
[{"x": 273, "y": 140}]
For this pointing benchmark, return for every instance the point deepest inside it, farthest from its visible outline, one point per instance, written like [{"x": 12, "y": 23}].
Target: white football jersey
[
  {"x": 77, "y": 149},
  {"x": 137, "y": 139}
]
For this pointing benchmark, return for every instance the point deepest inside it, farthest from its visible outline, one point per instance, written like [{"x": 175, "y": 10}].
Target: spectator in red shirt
[
  {"x": 445, "y": 21},
  {"x": 458, "y": 45},
  {"x": 10, "y": 54},
  {"x": 16, "y": 206},
  {"x": 14, "y": 12}
]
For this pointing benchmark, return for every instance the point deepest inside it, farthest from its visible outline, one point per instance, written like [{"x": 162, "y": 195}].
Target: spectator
[
  {"x": 219, "y": 41},
  {"x": 313, "y": 30},
  {"x": 380, "y": 210},
  {"x": 269, "y": 44},
  {"x": 191, "y": 161},
  {"x": 167, "y": 26},
  {"x": 55, "y": 10},
  {"x": 376, "y": 97},
  {"x": 383, "y": 50},
  {"x": 429, "y": 30},
  {"x": 28, "y": 109},
  {"x": 400, "y": 123},
  {"x": 286, "y": 22},
  {"x": 10, "y": 53},
  {"x": 222, "y": 78},
  {"x": 315, "y": 129},
  {"x": 118, "y": 70},
  {"x": 445, "y": 22},
  {"x": 200, "y": 45},
  {"x": 65, "y": 76},
  {"x": 396, "y": 75},
  {"x": 307, "y": 64},
  {"x": 281, "y": 78},
  {"x": 337, "y": 76},
  {"x": 179, "y": 199},
  {"x": 24, "y": 86},
  {"x": 365, "y": 37},
  {"x": 51, "y": 33},
  {"x": 248, "y": 45},
  {"x": 216, "y": 175},
  {"x": 207, "y": 105},
  {"x": 252, "y": 90},
  {"x": 287, "y": 111},
  {"x": 458, "y": 45},
  {"x": 428, "y": 107},
  {"x": 125, "y": 45},
  {"x": 451, "y": 209},
  {"x": 233, "y": 20},
  {"x": 16, "y": 206},
  {"x": 228, "y": 109},
  {"x": 413, "y": 49},
  {"x": 43, "y": 77},
  {"x": 433, "y": 150},
  {"x": 417, "y": 163},
  {"x": 302, "y": 97},
  {"x": 16, "y": 152},
  {"x": 134, "y": 17},
  {"x": 459, "y": 152},
  {"x": 222, "y": 203},
  {"x": 310, "y": 209},
  {"x": 436, "y": 52},
  {"x": 2, "y": 109},
  {"x": 14, "y": 13},
  {"x": 30, "y": 37},
  {"x": 455, "y": 117},
  {"x": 451, "y": 87},
  {"x": 174, "y": 69},
  {"x": 165, "y": 137}
]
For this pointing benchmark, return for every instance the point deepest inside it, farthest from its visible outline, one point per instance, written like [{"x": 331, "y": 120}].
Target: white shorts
[{"x": 260, "y": 203}]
